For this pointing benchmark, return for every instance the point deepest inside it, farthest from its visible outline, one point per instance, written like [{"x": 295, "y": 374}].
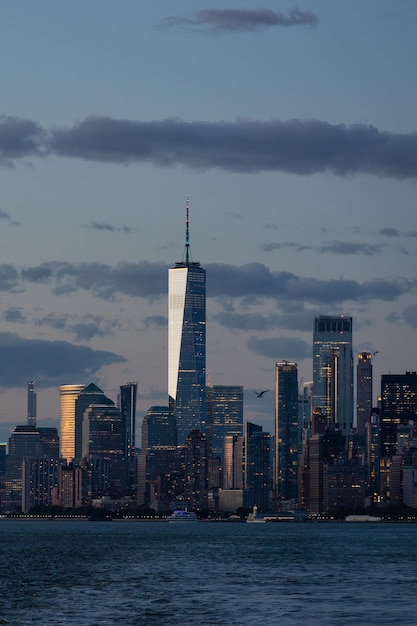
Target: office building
[
  {"x": 31, "y": 403},
  {"x": 333, "y": 370},
  {"x": 196, "y": 471},
  {"x": 258, "y": 467},
  {"x": 287, "y": 430},
  {"x": 363, "y": 391},
  {"x": 224, "y": 416},
  {"x": 103, "y": 437},
  {"x": 128, "y": 397},
  {"x": 187, "y": 342},
  {"x": 68, "y": 397},
  {"x": 398, "y": 407},
  {"x": 87, "y": 396}
]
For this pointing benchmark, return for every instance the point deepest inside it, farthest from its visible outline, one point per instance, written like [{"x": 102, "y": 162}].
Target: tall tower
[
  {"x": 333, "y": 369},
  {"x": 31, "y": 403},
  {"x": 398, "y": 407},
  {"x": 224, "y": 409},
  {"x": 287, "y": 429},
  {"x": 187, "y": 342},
  {"x": 128, "y": 395},
  {"x": 363, "y": 391},
  {"x": 68, "y": 397}
]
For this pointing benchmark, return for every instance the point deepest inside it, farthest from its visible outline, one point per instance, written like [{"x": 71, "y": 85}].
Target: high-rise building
[
  {"x": 196, "y": 471},
  {"x": 87, "y": 396},
  {"x": 287, "y": 430},
  {"x": 68, "y": 397},
  {"x": 363, "y": 391},
  {"x": 128, "y": 395},
  {"x": 31, "y": 403},
  {"x": 258, "y": 471},
  {"x": 333, "y": 370},
  {"x": 398, "y": 407},
  {"x": 224, "y": 416},
  {"x": 187, "y": 342}
]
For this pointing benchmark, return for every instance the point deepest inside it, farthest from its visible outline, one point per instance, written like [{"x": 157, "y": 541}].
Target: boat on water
[
  {"x": 254, "y": 517},
  {"x": 362, "y": 518},
  {"x": 182, "y": 516}
]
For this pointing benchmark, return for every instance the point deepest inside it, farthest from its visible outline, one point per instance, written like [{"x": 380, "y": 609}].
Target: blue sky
[{"x": 291, "y": 129}]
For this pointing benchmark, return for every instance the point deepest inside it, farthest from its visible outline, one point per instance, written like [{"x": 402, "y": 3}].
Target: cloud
[
  {"x": 220, "y": 21},
  {"x": 252, "y": 282},
  {"x": 246, "y": 321},
  {"x": 389, "y": 232},
  {"x": 8, "y": 277},
  {"x": 243, "y": 146},
  {"x": 50, "y": 363},
  {"x": 13, "y": 315},
  {"x": 109, "y": 227},
  {"x": 411, "y": 233},
  {"x": 19, "y": 138},
  {"x": 350, "y": 248},
  {"x": 410, "y": 315},
  {"x": 298, "y": 247},
  {"x": 277, "y": 348},
  {"x": 155, "y": 321},
  {"x": 84, "y": 328}
]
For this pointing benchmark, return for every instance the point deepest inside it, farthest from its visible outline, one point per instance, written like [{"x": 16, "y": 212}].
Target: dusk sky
[{"x": 292, "y": 129}]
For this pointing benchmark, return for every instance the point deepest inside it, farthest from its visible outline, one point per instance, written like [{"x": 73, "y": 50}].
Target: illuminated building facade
[
  {"x": 68, "y": 397},
  {"x": 333, "y": 370},
  {"x": 224, "y": 416},
  {"x": 363, "y": 391},
  {"x": 398, "y": 407},
  {"x": 31, "y": 403},
  {"x": 187, "y": 343}
]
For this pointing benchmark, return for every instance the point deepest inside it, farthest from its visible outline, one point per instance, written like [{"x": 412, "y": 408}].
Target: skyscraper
[
  {"x": 287, "y": 429},
  {"x": 68, "y": 397},
  {"x": 31, "y": 403},
  {"x": 128, "y": 395},
  {"x": 333, "y": 369},
  {"x": 363, "y": 391},
  {"x": 187, "y": 342},
  {"x": 87, "y": 396},
  {"x": 398, "y": 407},
  {"x": 224, "y": 411}
]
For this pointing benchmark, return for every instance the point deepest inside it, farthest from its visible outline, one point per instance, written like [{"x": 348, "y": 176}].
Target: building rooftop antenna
[{"x": 188, "y": 256}]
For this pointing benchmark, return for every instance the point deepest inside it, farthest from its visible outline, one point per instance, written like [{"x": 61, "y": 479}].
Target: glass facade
[
  {"x": 224, "y": 410},
  {"x": 333, "y": 369},
  {"x": 287, "y": 429},
  {"x": 68, "y": 396},
  {"x": 187, "y": 347}
]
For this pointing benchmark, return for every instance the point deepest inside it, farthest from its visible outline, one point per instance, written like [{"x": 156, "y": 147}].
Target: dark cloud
[
  {"x": 155, "y": 321},
  {"x": 410, "y": 315},
  {"x": 251, "y": 282},
  {"x": 9, "y": 278},
  {"x": 389, "y": 232},
  {"x": 301, "y": 147},
  {"x": 349, "y": 248},
  {"x": 220, "y": 21},
  {"x": 298, "y": 247},
  {"x": 50, "y": 363},
  {"x": 411, "y": 233},
  {"x": 246, "y": 321},
  {"x": 277, "y": 348},
  {"x": 83, "y": 328},
  {"x": 111, "y": 228},
  {"x": 244, "y": 146},
  {"x": 13, "y": 315},
  {"x": 19, "y": 138}
]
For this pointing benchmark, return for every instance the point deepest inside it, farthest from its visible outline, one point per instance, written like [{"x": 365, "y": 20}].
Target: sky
[{"x": 291, "y": 128}]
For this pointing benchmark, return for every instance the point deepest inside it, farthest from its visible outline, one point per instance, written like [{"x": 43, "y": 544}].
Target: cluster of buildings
[{"x": 331, "y": 448}]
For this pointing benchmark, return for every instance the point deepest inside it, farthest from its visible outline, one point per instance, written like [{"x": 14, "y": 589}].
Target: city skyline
[{"x": 300, "y": 166}]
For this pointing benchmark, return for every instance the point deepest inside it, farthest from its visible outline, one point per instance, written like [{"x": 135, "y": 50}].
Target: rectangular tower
[
  {"x": 363, "y": 391},
  {"x": 187, "y": 343},
  {"x": 224, "y": 408},
  {"x": 333, "y": 370},
  {"x": 287, "y": 430}
]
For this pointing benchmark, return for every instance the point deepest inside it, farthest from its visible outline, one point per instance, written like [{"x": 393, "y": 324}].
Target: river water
[{"x": 144, "y": 573}]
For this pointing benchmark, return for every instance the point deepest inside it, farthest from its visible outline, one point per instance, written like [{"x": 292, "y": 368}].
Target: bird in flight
[{"x": 261, "y": 393}]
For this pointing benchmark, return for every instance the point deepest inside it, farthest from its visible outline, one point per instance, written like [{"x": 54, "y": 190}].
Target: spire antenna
[{"x": 187, "y": 230}]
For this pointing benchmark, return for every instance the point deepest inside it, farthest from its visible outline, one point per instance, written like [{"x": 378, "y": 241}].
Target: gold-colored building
[{"x": 68, "y": 397}]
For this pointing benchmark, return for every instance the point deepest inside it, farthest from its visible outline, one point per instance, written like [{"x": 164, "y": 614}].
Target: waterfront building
[
  {"x": 398, "y": 407},
  {"x": 128, "y": 397},
  {"x": 87, "y": 396},
  {"x": 287, "y": 430},
  {"x": 31, "y": 403},
  {"x": 224, "y": 411},
  {"x": 104, "y": 438},
  {"x": 258, "y": 472},
  {"x": 196, "y": 471},
  {"x": 187, "y": 342},
  {"x": 159, "y": 462},
  {"x": 39, "y": 479},
  {"x": 333, "y": 370},
  {"x": 363, "y": 391},
  {"x": 68, "y": 397},
  {"x": 373, "y": 454}
]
